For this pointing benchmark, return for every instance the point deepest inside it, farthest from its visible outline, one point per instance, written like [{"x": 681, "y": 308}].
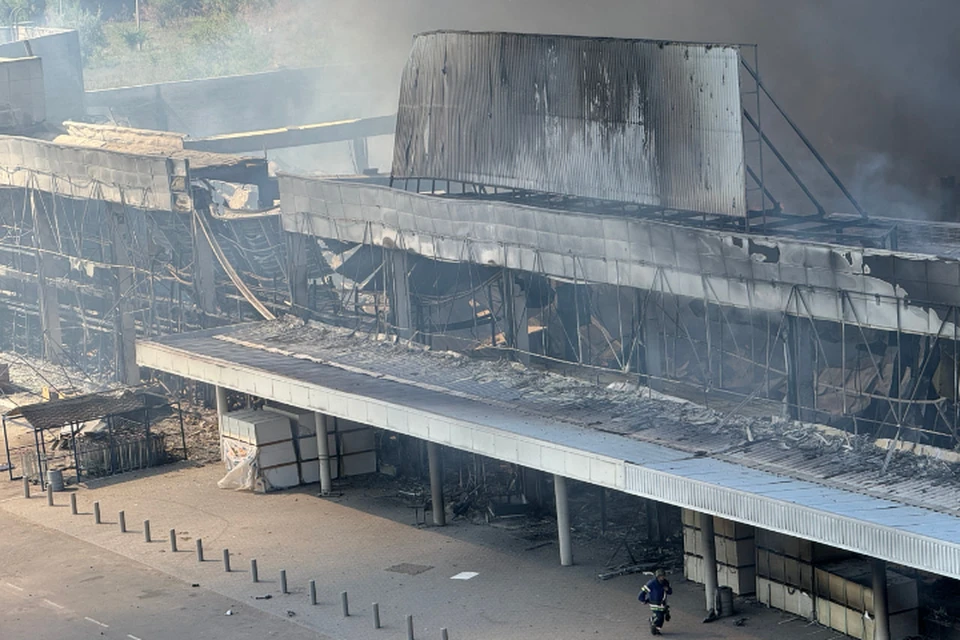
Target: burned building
[{"x": 612, "y": 215}]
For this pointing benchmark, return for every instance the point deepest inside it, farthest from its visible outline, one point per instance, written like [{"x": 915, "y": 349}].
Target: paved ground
[
  {"x": 344, "y": 544},
  {"x": 54, "y": 586}
]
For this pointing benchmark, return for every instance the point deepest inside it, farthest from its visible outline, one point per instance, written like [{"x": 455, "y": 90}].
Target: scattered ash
[{"x": 622, "y": 408}]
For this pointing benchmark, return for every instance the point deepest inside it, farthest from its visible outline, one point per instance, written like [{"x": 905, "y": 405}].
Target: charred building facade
[{"x": 610, "y": 210}]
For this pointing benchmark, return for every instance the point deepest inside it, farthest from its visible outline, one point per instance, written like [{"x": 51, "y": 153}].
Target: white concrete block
[
  {"x": 273, "y": 455},
  {"x": 357, "y": 441},
  {"x": 308, "y": 447},
  {"x": 282, "y": 477},
  {"x": 359, "y": 464}
]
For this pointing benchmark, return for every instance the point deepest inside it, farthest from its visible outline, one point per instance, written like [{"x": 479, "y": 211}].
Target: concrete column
[
  {"x": 204, "y": 270},
  {"x": 298, "y": 272},
  {"x": 515, "y": 309},
  {"x": 128, "y": 372},
  {"x": 323, "y": 449},
  {"x": 563, "y": 521},
  {"x": 398, "y": 288},
  {"x": 221, "y": 406},
  {"x": 708, "y": 547},
  {"x": 436, "y": 483},
  {"x": 880, "y": 608}
]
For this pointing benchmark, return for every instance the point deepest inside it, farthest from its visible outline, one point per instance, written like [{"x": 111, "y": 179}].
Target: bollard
[
  {"x": 26, "y": 487},
  {"x": 253, "y": 571},
  {"x": 199, "y": 550},
  {"x": 96, "y": 512},
  {"x": 283, "y": 582},
  {"x": 173, "y": 540},
  {"x": 376, "y": 615},
  {"x": 344, "y": 604},
  {"x": 49, "y": 495},
  {"x": 313, "y": 592},
  {"x": 226, "y": 560},
  {"x": 443, "y": 635},
  {"x": 410, "y": 628},
  {"x": 146, "y": 531},
  {"x": 73, "y": 504},
  {"x": 122, "y": 519}
]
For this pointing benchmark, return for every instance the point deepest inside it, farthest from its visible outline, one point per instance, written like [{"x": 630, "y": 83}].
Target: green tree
[{"x": 70, "y": 14}]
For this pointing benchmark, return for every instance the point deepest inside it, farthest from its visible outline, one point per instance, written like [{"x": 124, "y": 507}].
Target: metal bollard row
[{"x": 254, "y": 569}]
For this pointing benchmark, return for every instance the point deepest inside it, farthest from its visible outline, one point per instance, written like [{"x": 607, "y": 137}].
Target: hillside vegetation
[{"x": 178, "y": 39}]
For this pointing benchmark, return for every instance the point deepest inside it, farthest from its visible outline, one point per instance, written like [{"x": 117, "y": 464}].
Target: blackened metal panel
[{"x": 654, "y": 123}]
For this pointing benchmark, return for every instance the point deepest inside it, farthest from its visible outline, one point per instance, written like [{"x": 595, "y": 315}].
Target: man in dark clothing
[{"x": 655, "y": 594}]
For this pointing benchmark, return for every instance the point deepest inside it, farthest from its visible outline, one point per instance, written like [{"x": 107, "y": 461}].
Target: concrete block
[
  {"x": 310, "y": 471},
  {"x": 359, "y": 463},
  {"x": 785, "y": 598},
  {"x": 308, "y": 447},
  {"x": 732, "y": 530},
  {"x": 850, "y": 583},
  {"x": 282, "y": 477},
  {"x": 277, "y": 454},
  {"x": 742, "y": 580},
  {"x": 736, "y": 553},
  {"x": 789, "y": 571},
  {"x": 854, "y": 623}
]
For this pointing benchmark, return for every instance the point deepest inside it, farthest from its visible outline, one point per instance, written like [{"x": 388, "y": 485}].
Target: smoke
[{"x": 865, "y": 79}]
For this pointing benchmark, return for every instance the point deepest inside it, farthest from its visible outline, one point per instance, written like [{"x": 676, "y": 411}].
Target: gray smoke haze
[{"x": 873, "y": 83}]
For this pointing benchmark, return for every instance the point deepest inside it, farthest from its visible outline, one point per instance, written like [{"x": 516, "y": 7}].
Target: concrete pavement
[{"x": 364, "y": 543}]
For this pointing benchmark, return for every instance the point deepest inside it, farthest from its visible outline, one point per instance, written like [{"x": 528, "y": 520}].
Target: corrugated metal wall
[{"x": 631, "y": 120}]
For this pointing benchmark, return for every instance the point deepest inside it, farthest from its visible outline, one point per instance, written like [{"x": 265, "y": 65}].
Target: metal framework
[{"x": 120, "y": 455}]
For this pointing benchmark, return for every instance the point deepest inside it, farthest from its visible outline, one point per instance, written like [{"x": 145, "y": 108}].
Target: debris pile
[{"x": 623, "y": 408}]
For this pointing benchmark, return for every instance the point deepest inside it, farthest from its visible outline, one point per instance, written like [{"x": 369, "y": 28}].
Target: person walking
[{"x": 655, "y": 594}]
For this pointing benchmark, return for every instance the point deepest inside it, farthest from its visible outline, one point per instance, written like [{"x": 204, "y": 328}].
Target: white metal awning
[{"x": 899, "y": 533}]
